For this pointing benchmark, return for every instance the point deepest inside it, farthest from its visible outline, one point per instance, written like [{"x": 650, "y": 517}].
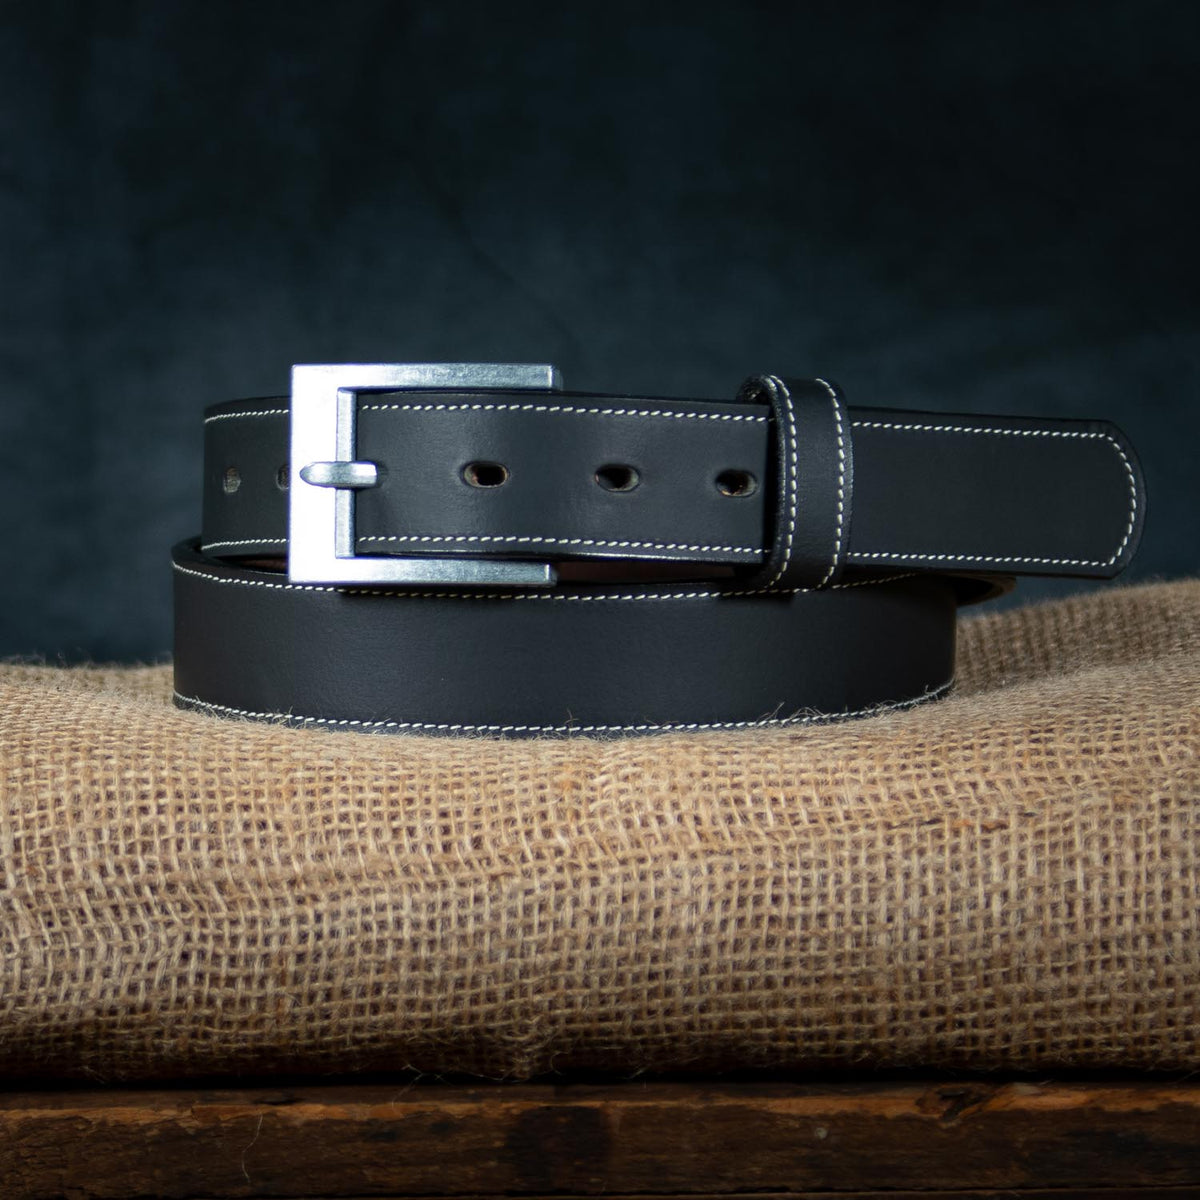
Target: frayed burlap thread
[{"x": 1005, "y": 879}]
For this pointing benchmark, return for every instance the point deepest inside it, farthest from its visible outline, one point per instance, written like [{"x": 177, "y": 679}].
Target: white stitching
[
  {"x": 1051, "y": 433},
  {"x": 573, "y": 599},
  {"x": 540, "y": 408},
  {"x": 792, "y": 470},
  {"x": 569, "y": 408},
  {"x": 981, "y": 558},
  {"x": 207, "y": 546},
  {"x": 237, "y": 416},
  {"x": 763, "y": 723},
  {"x": 555, "y": 541},
  {"x": 841, "y": 493},
  {"x": 1087, "y": 435},
  {"x": 262, "y": 583}
]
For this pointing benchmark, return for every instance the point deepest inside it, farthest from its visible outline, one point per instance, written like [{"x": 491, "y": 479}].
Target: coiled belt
[{"x": 468, "y": 548}]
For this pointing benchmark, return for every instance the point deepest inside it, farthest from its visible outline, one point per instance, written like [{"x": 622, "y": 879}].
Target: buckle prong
[
  {"x": 339, "y": 474},
  {"x": 326, "y": 473}
]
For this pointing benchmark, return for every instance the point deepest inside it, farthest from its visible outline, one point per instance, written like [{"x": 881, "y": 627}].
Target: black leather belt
[{"x": 468, "y": 548}]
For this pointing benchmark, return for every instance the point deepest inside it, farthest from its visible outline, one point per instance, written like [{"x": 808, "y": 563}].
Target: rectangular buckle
[{"x": 325, "y": 474}]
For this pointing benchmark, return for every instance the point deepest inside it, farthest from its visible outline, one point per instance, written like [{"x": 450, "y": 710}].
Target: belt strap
[{"x": 776, "y": 559}]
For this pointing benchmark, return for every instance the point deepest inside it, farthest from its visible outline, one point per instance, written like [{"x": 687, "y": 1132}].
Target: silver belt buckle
[{"x": 325, "y": 473}]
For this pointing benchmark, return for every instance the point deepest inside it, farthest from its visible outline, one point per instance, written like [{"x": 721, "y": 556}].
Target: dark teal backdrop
[{"x": 976, "y": 206}]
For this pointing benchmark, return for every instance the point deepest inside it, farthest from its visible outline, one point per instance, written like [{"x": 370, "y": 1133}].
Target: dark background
[{"x": 967, "y": 206}]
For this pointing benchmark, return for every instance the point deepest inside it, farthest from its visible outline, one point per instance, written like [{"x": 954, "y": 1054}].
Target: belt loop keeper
[{"x": 813, "y": 464}]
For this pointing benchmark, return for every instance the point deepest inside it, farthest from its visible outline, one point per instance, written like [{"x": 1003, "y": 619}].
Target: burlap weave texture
[{"x": 1007, "y": 878}]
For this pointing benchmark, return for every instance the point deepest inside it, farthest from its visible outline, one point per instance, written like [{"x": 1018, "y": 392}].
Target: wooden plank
[{"x": 621, "y": 1139}]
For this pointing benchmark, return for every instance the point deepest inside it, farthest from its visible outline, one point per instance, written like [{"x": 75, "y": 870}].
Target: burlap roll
[{"x": 1004, "y": 879}]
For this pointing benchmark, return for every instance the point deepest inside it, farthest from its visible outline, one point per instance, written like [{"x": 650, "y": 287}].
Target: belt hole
[
  {"x": 485, "y": 474},
  {"x": 283, "y": 477},
  {"x": 618, "y": 477},
  {"x": 231, "y": 481},
  {"x": 736, "y": 483}
]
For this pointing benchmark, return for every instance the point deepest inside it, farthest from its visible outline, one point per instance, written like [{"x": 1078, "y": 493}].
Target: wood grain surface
[{"x": 627, "y": 1139}]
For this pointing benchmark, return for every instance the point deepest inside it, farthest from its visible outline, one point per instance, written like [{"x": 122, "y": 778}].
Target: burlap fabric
[{"x": 1004, "y": 879}]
